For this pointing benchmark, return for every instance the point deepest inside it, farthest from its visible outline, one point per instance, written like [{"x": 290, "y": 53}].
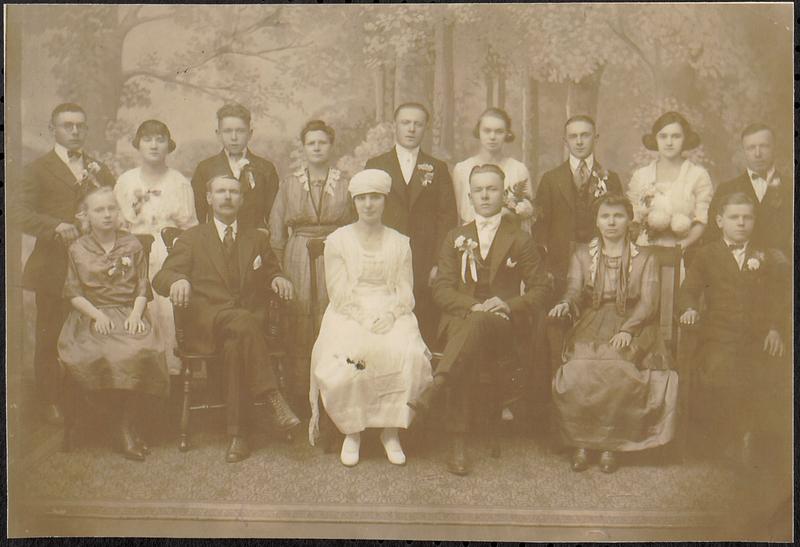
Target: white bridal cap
[{"x": 370, "y": 180}]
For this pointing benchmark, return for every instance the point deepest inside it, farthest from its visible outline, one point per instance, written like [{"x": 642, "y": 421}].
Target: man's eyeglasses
[{"x": 70, "y": 126}]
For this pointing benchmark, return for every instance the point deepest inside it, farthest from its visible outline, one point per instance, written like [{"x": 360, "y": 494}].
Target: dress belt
[{"x": 313, "y": 230}]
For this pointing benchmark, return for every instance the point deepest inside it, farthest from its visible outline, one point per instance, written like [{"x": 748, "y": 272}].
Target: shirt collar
[
  {"x": 221, "y": 227},
  {"x": 405, "y": 152},
  {"x": 729, "y": 243},
  {"x": 494, "y": 220},
  {"x": 575, "y": 162},
  {"x": 770, "y": 174},
  {"x": 231, "y": 160},
  {"x": 61, "y": 152}
]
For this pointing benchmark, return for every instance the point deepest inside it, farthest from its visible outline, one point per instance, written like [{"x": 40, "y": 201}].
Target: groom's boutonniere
[
  {"x": 469, "y": 261},
  {"x": 427, "y": 173},
  {"x": 601, "y": 176}
]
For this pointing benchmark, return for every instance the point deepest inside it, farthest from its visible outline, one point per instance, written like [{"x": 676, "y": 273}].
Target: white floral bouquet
[
  {"x": 517, "y": 201},
  {"x": 659, "y": 214}
]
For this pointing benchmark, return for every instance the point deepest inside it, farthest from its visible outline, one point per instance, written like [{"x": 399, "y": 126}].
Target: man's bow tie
[
  {"x": 735, "y": 246},
  {"x": 74, "y": 154}
]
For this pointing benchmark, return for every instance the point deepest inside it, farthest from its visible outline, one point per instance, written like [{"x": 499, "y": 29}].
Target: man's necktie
[
  {"x": 73, "y": 154},
  {"x": 227, "y": 241},
  {"x": 582, "y": 174}
]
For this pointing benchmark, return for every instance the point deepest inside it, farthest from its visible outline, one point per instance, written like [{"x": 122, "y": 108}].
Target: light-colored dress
[
  {"x": 609, "y": 399},
  {"x": 147, "y": 209},
  {"x": 306, "y": 209},
  {"x": 366, "y": 379},
  {"x": 668, "y": 209},
  {"x": 111, "y": 282},
  {"x": 516, "y": 173}
]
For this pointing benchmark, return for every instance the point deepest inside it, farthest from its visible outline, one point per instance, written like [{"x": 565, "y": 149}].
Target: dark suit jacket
[
  {"x": 740, "y": 305},
  {"x": 197, "y": 256},
  {"x": 49, "y": 196},
  {"x": 773, "y": 215},
  {"x": 455, "y": 297},
  {"x": 424, "y": 214},
  {"x": 257, "y": 201},
  {"x": 555, "y": 215}
]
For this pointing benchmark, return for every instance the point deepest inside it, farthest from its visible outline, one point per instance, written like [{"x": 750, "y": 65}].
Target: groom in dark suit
[
  {"x": 50, "y": 192},
  {"x": 220, "y": 271},
  {"x": 421, "y": 204},
  {"x": 484, "y": 316},
  {"x": 258, "y": 176},
  {"x": 772, "y": 193}
]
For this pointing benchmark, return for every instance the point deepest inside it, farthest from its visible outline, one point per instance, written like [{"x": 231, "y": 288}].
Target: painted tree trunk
[
  {"x": 388, "y": 91},
  {"x": 501, "y": 90},
  {"x": 444, "y": 90},
  {"x": 489, "y": 79},
  {"x": 530, "y": 127},
  {"x": 380, "y": 91}
]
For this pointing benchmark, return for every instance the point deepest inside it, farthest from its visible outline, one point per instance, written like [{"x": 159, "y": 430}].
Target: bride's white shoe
[
  {"x": 391, "y": 444},
  {"x": 350, "y": 447}
]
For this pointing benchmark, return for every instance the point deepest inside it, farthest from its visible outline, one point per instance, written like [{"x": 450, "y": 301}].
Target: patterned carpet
[{"x": 529, "y": 485}]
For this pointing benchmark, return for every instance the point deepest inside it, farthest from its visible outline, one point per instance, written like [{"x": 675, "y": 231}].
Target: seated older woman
[
  {"x": 369, "y": 360},
  {"x": 614, "y": 391}
]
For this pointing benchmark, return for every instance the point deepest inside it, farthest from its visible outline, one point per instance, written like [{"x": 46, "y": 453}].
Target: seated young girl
[{"x": 108, "y": 341}]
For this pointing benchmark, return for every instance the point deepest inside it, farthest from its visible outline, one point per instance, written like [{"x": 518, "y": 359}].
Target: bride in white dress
[{"x": 369, "y": 359}]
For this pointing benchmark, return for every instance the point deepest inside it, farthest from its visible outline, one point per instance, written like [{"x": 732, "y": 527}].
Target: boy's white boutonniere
[
  {"x": 469, "y": 261},
  {"x": 754, "y": 262},
  {"x": 427, "y": 173},
  {"x": 257, "y": 262},
  {"x": 510, "y": 263}
]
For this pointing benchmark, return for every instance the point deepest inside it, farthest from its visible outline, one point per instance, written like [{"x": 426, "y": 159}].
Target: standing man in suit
[
  {"x": 220, "y": 271},
  {"x": 563, "y": 215},
  {"x": 51, "y": 189},
  {"x": 258, "y": 176},
  {"x": 772, "y": 192},
  {"x": 565, "y": 195},
  {"x": 421, "y": 204},
  {"x": 485, "y": 319},
  {"x": 741, "y": 367}
]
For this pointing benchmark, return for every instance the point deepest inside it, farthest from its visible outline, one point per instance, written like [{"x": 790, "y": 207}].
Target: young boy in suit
[{"x": 744, "y": 325}]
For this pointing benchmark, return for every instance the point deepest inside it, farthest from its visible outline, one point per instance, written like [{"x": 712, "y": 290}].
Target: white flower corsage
[
  {"x": 427, "y": 173},
  {"x": 510, "y": 263},
  {"x": 469, "y": 260},
  {"x": 602, "y": 179},
  {"x": 754, "y": 262}
]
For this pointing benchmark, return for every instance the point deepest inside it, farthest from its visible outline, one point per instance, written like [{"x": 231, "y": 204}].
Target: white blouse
[{"x": 514, "y": 170}]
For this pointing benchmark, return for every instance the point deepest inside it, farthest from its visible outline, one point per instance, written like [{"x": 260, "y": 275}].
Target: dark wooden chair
[
  {"x": 191, "y": 362},
  {"x": 73, "y": 395},
  {"x": 669, "y": 261}
]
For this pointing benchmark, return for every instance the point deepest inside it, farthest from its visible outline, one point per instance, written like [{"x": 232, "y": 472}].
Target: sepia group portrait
[{"x": 408, "y": 271}]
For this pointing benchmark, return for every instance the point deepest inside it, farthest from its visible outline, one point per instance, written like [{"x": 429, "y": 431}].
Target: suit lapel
[
  {"x": 399, "y": 187},
  {"x": 215, "y": 252},
  {"x": 222, "y": 164},
  {"x": 60, "y": 170},
  {"x": 502, "y": 242},
  {"x": 415, "y": 185},
  {"x": 246, "y": 242},
  {"x": 727, "y": 258},
  {"x": 566, "y": 185}
]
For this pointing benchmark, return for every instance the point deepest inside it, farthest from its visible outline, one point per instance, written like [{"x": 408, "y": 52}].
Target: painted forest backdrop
[{"x": 723, "y": 66}]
